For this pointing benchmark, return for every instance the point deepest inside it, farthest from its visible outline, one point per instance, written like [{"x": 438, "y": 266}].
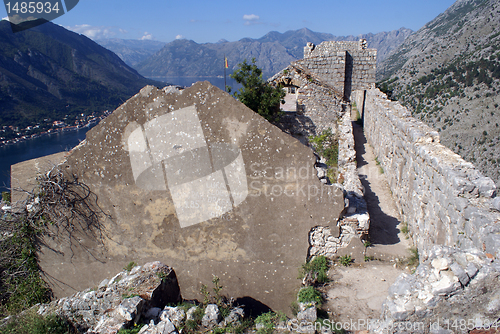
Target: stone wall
[
  {"x": 322, "y": 108},
  {"x": 331, "y": 67},
  {"x": 443, "y": 199},
  {"x": 347, "y": 66}
]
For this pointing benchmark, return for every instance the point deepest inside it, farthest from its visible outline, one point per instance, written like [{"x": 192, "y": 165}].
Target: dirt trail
[{"x": 357, "y": 292}]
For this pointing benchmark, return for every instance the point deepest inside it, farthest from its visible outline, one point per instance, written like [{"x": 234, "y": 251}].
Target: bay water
[{"x": 65, "y": 141}]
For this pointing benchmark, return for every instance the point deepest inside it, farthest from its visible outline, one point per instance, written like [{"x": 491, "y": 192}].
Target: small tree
[{"x": 257, "y": 94}]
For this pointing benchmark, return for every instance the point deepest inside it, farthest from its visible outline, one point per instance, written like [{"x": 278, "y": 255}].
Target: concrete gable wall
[{"x": 171, "y": 194}]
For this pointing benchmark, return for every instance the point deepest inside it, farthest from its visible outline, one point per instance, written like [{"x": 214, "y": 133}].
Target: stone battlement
[{"x": 329, "y": 47}]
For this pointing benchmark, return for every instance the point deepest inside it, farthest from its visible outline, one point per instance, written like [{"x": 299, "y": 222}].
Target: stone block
[
  {"x": 491, "y": 243},
  {"x": 447, "y": 284},
  {"x": 471, "y": 270}
]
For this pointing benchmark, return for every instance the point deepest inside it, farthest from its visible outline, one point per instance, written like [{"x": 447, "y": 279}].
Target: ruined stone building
[{"x": 195, "y": 179}]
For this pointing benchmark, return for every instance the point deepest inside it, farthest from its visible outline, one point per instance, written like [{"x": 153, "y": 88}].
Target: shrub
[
  {"x": 130, "y": 266},
  {"x": 317, "y": 268},
  {"x": 327, "y": 146},
  {"x": 256, "y": 93},
  {"x": 269, "y": 321},
  {"x": 32, "y": 323},
  {"x": 6, "y": 197},
  {"x": 309, "y": 295}
]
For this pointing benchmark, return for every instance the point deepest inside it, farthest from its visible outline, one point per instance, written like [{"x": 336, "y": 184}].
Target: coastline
[{"x": 89, "y": 124}]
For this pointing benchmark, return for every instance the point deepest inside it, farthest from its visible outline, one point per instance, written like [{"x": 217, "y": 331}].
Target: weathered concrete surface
[
  {"x": 197, "y": 180},
  {"x": 24, "y": 174}
]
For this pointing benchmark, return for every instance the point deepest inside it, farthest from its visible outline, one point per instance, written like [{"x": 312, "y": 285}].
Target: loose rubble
[{"x": 452, "y": 286}]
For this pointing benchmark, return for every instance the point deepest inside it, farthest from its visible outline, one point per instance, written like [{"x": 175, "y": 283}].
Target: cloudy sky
[{"x": 210, "y": 21}]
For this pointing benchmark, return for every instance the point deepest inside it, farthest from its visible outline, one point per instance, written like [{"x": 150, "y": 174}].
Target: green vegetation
[
  {"x": 387, "y": 87},
  {"x": 309, "y": 295},
  {"x": 327, "y": 146},
  {"x": 380, "y": 168},
  {"x": 317, "y": 268},
  {"x": 217, "y": 298},
  {"x": 413, "y": 260},
  {"x": 32, "y": 323},
  {"x": 405, "y": 229},
  {"x": 58, "y": 202},
  {"x": 269, "y": 321},
  {"x": 345, "y": 260},
  {"x": 6, "y": 197},
  {"x": 256, "y": 93},
  {"x": 133, "y": 330},
  {"x": 129, "y": 266},
  {"x": 22, "y": 285}
]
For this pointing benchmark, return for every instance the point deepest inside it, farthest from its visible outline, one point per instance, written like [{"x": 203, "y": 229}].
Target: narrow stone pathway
[
  {"x": 357, "y": 292},
  {"x": 388, "y": 242}
]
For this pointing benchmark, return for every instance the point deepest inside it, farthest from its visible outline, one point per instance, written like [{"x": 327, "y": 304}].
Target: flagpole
[{"x": 225, "y": 72}]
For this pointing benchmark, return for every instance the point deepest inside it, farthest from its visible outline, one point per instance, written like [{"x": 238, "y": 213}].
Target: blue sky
[{"x": 209, "y": 21}]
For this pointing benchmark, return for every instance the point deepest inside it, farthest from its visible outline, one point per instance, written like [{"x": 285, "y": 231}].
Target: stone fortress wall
[
  {"x": 444, "y": 199},
  {"x": 347, "y": 66},
  {"x": 450, "y": 209}
]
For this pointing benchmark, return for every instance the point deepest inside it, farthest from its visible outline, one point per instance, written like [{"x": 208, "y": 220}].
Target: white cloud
[
  {"x": 250, "y": 17},
  {"x": 5, "y": 18},
  {"x": 93, "y": 32},
  {"x": 147, "y": 36},
  {"x": 179, "y": 37}
]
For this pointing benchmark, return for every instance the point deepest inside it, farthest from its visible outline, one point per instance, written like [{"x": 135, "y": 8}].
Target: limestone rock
[
  {"x": 174, "y": 314},
  {"x": 235, "y": 316},
  {"x": 108, "y": 309},
  {"x": 131, "y": 308},
  {"x": 310, "y": 315},
  {"x": 212, "y": 316},
  {"x": 451, "y": 284},
  {"x": 190, "y": 313},
  {"x": 163, "y": 327},
  {"x": 460, "y": 273}
]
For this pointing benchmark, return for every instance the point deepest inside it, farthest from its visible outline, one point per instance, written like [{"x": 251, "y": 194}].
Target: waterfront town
[{"x": 11, "y": 134}]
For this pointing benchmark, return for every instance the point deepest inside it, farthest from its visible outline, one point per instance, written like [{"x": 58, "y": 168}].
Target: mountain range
[
  {"x": 448, "y": 74},
  {"x": 131, "y": 51},
  {"x": 48, "y": 72},
  {"x": 273, "y": 52}
]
